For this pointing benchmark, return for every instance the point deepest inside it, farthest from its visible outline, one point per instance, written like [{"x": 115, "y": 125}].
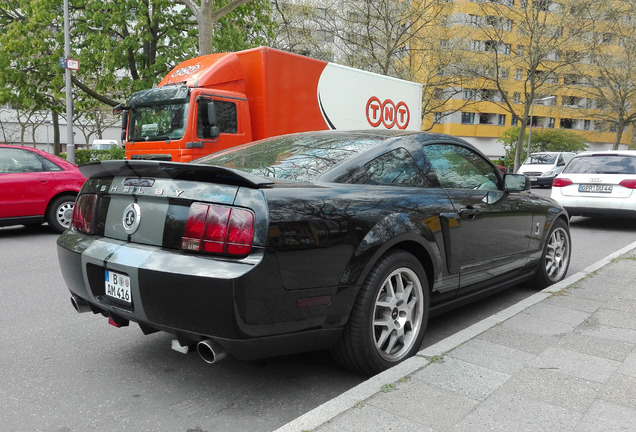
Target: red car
[{"x": 37, "y": 187}]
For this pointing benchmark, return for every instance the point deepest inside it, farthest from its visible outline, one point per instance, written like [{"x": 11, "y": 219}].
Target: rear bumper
[
  {"x": 241, "y": 304},
  {"x": 601, "y": 212}
]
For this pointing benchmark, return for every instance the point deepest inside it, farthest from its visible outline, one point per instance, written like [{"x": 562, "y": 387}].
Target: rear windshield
[
  {"x": 293, "y": 157},
  {"x": 602, "y": 164}
]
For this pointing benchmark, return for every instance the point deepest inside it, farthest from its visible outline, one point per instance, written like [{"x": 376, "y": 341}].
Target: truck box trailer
[{"x": 214, "y": 102}]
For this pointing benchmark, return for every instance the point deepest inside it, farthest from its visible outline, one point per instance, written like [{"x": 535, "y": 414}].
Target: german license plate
[
  {"x": 117, "y": 286},
  {"x": 533, "y": 179},
  {"x": 595, "y": 188}
]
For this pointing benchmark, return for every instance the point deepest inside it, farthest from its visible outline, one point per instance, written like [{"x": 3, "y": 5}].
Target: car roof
[{"x": 608, "y": 152}]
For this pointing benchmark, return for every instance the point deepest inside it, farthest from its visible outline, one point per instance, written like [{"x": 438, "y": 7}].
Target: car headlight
[{"x": 549, "y": 173}]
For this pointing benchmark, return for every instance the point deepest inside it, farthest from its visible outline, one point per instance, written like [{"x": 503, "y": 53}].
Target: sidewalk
[{"x": 562, "y": 360}]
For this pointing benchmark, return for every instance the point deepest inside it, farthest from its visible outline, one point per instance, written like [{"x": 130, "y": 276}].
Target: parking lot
[{"x": 68, "y": 372}]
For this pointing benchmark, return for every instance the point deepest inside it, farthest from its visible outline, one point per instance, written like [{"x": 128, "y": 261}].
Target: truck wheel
[
  {"x": 555, "y": 258},
  {"x": 60, "y": 213},
  {"x": 389, "y": 316}
]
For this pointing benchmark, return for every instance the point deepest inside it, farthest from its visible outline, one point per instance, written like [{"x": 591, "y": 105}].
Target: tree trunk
[
  {"x": 55, "y": 117},
  {"x": 617, "y": 140}
]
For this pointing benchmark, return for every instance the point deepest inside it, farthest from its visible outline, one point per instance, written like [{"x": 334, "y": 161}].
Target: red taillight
[
  {"x": 629, "y": 183},
  {"x": 561, "y": 182},
  {"x": 84, "y": 213},
  {"x": 218, "y": 229}
]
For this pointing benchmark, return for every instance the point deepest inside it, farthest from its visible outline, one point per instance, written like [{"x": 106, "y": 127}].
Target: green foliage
[
  {"x": 542, "y": 140},
  {"x": 83, "y": 156},
  {"x": 248, "y": 26},
  {"x": 31, "y": 38},
  {"x": 123, "y": 46},
  {"x": 129, "y": 45}
]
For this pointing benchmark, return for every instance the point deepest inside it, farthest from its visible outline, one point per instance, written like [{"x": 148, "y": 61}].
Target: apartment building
[
  {"x": 550, "y": 80},
  {"x": 554, "y": 81}
]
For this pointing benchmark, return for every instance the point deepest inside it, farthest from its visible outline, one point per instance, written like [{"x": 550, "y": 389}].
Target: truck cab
[{"x": 179, "y": 123}]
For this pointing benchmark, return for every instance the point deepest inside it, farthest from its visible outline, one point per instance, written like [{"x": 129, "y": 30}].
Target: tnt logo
[
  {"x": 387, "y": 113},
  {"x": 188, "y": 70}
]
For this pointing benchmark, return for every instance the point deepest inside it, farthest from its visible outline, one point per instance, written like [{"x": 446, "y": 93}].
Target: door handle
[{"x": 469, "y": 212}]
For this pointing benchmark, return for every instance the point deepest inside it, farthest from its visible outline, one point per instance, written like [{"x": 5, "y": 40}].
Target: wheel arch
[
  {"x": 426, "y": 253},
  {"x": 70, "y": 193}
]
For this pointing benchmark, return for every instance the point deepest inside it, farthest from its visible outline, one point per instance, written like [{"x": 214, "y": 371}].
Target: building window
[
  {"x": 518, "y": 74},
  {"x": 468, "y": 94},
  {"x": 437, "y": 118},
  {"x": 507, "y": 49},
  {"x": 468, "y": 118},
  {"x": 587, "y": 124},
  {"x": 514, "y": 121},
  {"x": 502, "y": 120},
  {"x": 516, "y": 97},
  {"x": 566, "y": 123}
]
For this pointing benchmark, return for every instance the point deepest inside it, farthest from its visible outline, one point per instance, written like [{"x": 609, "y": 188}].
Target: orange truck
[{"x": 214, "y": 102}]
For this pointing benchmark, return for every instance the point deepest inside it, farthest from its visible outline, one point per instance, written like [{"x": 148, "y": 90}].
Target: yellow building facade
[{"x": 494, "y": 43}]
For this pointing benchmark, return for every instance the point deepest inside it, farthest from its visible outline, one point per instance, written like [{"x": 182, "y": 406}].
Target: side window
[
  {"x": 458, "y": 167},
  {"x": 396, "y": 167},
  {"x": 19, "y": 161},
  {"x": 225, "y": 118},
  {"x": 560, "y": 161}
]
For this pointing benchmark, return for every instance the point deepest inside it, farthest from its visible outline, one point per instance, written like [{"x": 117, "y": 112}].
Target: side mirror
[
  {"x": 124, "y": 124},
  {"x": 214, "y": 129},
  {"x": 516, "y": 183}
]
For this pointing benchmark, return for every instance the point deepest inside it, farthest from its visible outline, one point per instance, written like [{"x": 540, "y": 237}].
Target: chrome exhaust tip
[
  {"x": 210, "y": 351},
  {"x": 80, "y": 305}
]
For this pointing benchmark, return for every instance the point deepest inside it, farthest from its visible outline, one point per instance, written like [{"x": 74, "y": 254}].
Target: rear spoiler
[{"x": 173, "y": 170}]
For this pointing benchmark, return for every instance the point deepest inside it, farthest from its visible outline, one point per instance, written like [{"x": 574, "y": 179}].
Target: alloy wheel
[{"x": 398, "y": 314}]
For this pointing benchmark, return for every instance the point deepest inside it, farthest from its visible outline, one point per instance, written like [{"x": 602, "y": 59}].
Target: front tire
[
  {"x": 555, "y": 259},
  {"x": 389, "y": 316},
  {"x": 60, "y": 213}
]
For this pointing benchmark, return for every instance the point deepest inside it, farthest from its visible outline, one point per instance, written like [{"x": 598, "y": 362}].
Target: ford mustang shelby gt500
[{"x": 346, "y": 241}]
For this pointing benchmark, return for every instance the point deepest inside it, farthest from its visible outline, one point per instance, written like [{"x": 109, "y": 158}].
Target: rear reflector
[
  {"x": 561, "y": 182},
  {"x": 84, "y": 213},
  {"x": 218, "y": 230},
  {"x": 629, "y": 184}
]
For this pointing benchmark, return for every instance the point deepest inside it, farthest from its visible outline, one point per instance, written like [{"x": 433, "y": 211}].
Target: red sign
[
  {"x": 72, "y": 64},
  {"x": 387, "y": 113}
]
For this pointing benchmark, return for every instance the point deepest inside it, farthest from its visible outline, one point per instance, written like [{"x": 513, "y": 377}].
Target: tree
[
  {"x": 549, "y": 38},
  {"x": 613, "y": 84},
  {"x": 122, "y": 46},
  {"x": 558, "y": 140},
  {"x": 209, "y": 13}
]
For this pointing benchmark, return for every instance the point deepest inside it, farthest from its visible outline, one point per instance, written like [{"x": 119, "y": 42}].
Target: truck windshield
[
  {"x": 158, "y": 122},
  {"x": 540, "y": 159}
]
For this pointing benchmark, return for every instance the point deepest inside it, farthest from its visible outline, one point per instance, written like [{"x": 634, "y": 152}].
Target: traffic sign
[{"x": 72, "y": 64}]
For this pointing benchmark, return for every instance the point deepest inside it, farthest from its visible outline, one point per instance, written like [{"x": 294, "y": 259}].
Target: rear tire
[
  {"x": 60, "y": 213},
  {"x": 555, "y": 258},
  {"x": 389, "y": 316}
]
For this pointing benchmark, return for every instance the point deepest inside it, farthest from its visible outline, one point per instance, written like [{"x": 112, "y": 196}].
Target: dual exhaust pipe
[{"x": 210, "y": 351}]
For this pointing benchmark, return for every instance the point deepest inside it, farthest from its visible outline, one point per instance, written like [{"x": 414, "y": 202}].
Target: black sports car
[{"x": 346, "y": 241}]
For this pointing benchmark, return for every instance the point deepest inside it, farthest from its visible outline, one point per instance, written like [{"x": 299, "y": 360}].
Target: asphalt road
[{"x": 68, "y": 372}]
